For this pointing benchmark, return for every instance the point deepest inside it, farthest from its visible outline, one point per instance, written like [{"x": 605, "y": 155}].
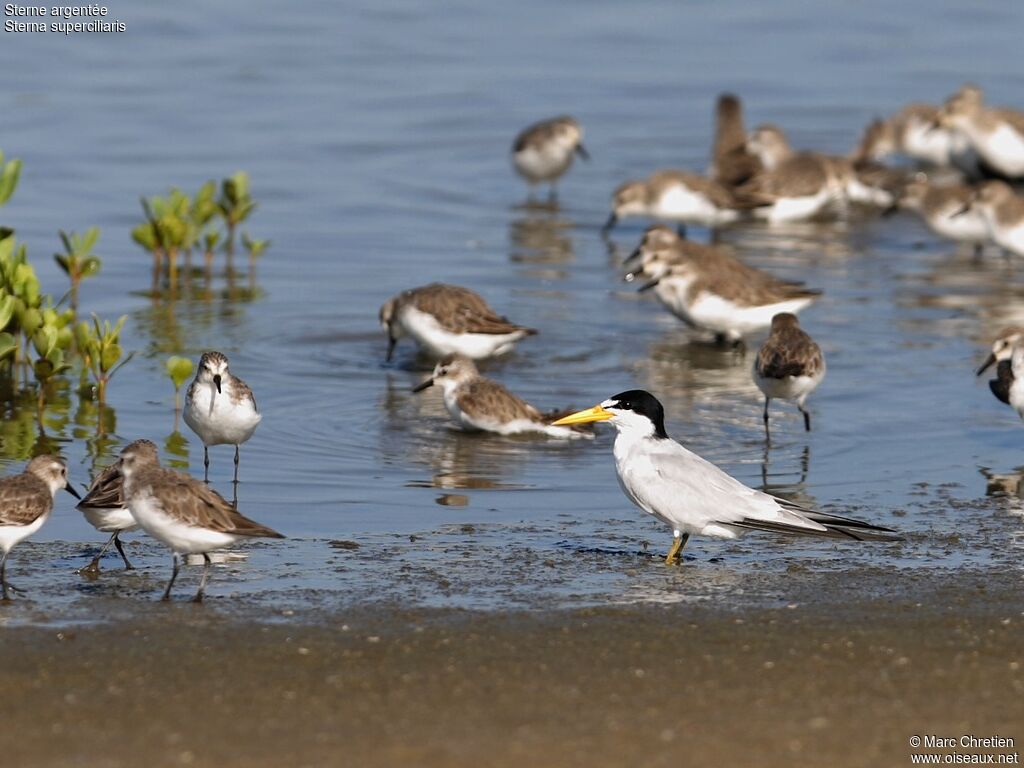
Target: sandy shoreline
[{"x": 841, "y": 680}]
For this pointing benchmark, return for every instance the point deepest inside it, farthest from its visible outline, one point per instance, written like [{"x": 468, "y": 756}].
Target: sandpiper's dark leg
[
  {"x": 553, "y": 193},
  {"x": 979, "y": 250},
  {"x": 206, "y": 464},
  {"x": 202, "y": 583},
  {"x": 767, "y": 432},
  {"x": 807, "y": 418},
  {"x": 174, "y": 575},
  {"x": 94, "y": 566},
  {"x": 117, "y": 543},
  {"x": 236, "y": 463}
]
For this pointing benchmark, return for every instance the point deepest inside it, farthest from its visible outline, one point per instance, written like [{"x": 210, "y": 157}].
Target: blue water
[{"x": 377, "y": 141}]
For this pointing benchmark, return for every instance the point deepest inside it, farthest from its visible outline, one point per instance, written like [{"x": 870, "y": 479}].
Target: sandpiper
[
  {"x": 26, "y": 501},
  {"x": 1008, "y": 385},
  {"x": 941, "y": 207},
  {"x": 709, "y": 289},
  {"x": 1003, "y": 212},
  {"x": 690, "y": 494},
  {"x": 105, "y": 509},
  {"x": 220, "y": 407},
  {"x": 731, "y": 163},
  {"x": 996, "y": 134},
  {"x": 448, "y": 319},
  {"x": 789, "y": 366},
  {"x": 477, "y": 403},
  {"x": 678, "y": 196},
  {"x": 791, "y": 186},
  {"x": 802, "y": 185},
  {"x": 545, "y": 150},
  {"x": 914, "y": 133},
  {"x": 182, "y": 512}
]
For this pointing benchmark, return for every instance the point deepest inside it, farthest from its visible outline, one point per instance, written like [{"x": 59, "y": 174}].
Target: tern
[{"x": 692, "y": 495}]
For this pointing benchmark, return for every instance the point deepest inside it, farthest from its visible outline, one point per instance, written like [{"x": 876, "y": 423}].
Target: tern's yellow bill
[{"x": 597, "y": 413}]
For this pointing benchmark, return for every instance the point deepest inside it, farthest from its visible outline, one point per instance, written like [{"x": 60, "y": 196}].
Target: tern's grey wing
[{"x": 687, "y": 489}]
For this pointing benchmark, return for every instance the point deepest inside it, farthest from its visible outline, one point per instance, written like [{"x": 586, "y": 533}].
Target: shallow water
[{"x": 377, "y": 141}]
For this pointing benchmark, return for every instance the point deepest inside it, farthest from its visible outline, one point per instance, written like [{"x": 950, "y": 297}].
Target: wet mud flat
[{"x": 841, "y": 671}]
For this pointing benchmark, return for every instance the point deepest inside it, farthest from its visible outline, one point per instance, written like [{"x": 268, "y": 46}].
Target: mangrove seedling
[
  {"x": 235, "y": 205},
  {"x": 179, "y": 369},
  {"x": 78, "y": 261},
  {"x": 9, "y": 172},
  {"x": 100, "y": 346},
  {"x": 255, "y": 249},
  {"x": 50, "y": 341}
]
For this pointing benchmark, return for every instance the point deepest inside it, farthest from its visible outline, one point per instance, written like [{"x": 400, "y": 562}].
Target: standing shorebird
[
  {"x": 26, "y": 501},
  {"x": 545, "y": 150},
  {"x": 946, "y": 211},
  {"x": 1002, "y": 210},
  {"x": 914, "y": 133},
  {"x": 183, "y": 513},
  {"x": 789, "y": 366},
  {"x": 477, "y": 403},
  {"x": 220, "y": 408},
  {"x": 677, "y": 196},
  {"x": 709, "y": 289},
  {"x": 449, "y": 319},
  {"x": 731, "y": 163},
  {"x": 690, "y": 494},
  {"x": 996, "y": 134},
  {"x": 105, "y": 509},
  {"x": 1008, "y": 356}
]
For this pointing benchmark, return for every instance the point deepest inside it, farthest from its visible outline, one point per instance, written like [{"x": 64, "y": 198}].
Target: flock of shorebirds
[{"x": 971, "y": 151}]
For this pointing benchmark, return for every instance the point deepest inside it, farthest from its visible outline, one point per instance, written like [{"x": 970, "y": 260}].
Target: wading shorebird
[
  {"x": 1008, "y": 356},
  {"x": 26, "y": 501},
  {"x": 105, "y": 509},
  {"x": 995, "y": 134},
  {"x": 1002, "y": 210},
  {"x": 220, "y": 408},
  {"x": 477, "y": 403},
  {"x": 946, "y": 211},
  {"x": 732, "y": 164},
  {"x": 789, "y": 366},
  {"x": 690, "y": 494},
  {"x": 449, "y": 319},
  {"x": 182, "y": 512},
  {"x": 544, "y": 151},
  {"x": 678, "y": 196},
  {"x": 710, "y": 289}
]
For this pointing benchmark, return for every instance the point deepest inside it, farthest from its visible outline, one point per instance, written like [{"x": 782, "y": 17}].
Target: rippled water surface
[{"x": 377, "y": 139}]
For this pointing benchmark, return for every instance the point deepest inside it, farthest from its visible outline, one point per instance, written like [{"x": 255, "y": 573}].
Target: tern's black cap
[{"x": 643, "y": 402}]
